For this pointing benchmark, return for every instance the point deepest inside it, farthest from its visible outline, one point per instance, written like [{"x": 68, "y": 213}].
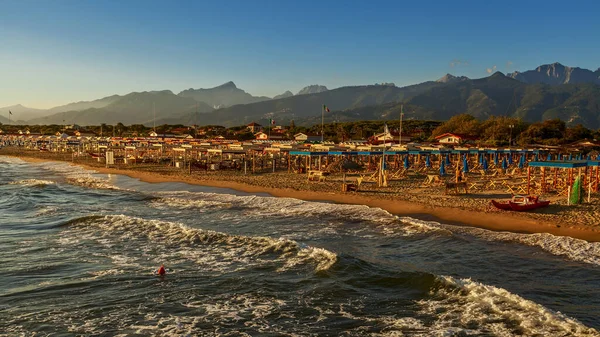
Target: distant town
[{"x": 464, "y": 130}]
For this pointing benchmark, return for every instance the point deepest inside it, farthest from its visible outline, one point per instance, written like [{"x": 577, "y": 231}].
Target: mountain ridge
[{"x": 556, "y": 74}]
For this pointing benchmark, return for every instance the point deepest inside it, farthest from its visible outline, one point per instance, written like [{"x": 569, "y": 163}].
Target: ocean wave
[
  {"x": 181, "y": 203},
  {"x": 466, "y": 307},
  {"x": 32, "y": 182},
  {"x": 77, "y": 175},
  {"x": 261, "y": 207},
  {"x": 568, "y": 247},
  {"x": 231, "y": 249}
]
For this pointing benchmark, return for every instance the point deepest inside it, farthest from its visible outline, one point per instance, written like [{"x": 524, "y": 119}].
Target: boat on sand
[{"x": 521, "y": 203}]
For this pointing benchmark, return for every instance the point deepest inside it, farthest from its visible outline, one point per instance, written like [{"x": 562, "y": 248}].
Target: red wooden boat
[{"x": 521, "y": 203}]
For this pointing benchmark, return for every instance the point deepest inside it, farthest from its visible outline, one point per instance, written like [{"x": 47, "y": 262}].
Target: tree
[
  {"x": 464, "y": 124},
  {"x": 578, "y": 132},
  {"x": 501, "y": 130}
]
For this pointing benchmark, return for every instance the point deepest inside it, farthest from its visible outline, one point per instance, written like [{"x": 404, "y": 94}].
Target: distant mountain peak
[
  {"x": 312, "y": 89},
  {"x": 229, "y": 84},
  {"x": 556, "y": 74},
  {"x": 448, "y": 78},
  {"x": 224, "y": 95},
  {"x": 284, "y": 95}
]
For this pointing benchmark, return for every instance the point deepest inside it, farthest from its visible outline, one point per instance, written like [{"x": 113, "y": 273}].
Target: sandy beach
[{"x": 403, "y": 198}]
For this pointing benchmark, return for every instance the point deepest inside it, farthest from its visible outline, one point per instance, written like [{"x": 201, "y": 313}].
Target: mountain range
[
  {"x": 556, "y": 74},
  {"x": 549, "y": 91}
]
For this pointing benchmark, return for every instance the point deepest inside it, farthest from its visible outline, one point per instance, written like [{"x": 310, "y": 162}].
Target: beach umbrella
[
  {"x": 510, "y": 160},
  {"x": 570, "y": 156},
  {"x": 480, "y": 158},
  {"x": 442, "y": 169},
  {"x": 406, "y": 163},
  {"x": 484, "y": 165},
  {"x": 465, "y": 165},
  {"x": 588, "y": 157},
  {"x": 537, "y": 157},
  {"x": 579, "y": 156},
  {"x": 448, "y": 160},
  {"x": 549, "y": 157},
  {"x": 496, "y": 158},
  {"x": 504, "y": 164},
  {"x": 522, "y": 162},
  {"x": 427, "y": 162},
  {"x": 598, "y": 157}
]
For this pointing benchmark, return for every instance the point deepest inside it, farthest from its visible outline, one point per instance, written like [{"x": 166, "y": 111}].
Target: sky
[{"x": 57, "y": 52}]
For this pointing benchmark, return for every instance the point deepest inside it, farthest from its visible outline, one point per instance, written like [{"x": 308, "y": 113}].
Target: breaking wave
[
  {"x": 187, "y": 243},
  {"x": 465, "y": 307},
  {"x": 33, "y": 182},
  {"x": 265, "y": 207},
  {"x": 568, "y": 247}
]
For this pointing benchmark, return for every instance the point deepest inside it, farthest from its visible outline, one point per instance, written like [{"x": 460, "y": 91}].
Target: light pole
[{"x": 511, "y": 126}]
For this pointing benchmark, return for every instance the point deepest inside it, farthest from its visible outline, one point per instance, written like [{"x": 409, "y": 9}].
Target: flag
[
  {"x": 325, "y": 108},
  {"x": 9, "y": 112},
  {"x": 272, "y": 121}
]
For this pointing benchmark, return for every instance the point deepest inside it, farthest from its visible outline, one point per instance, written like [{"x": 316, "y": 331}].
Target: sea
[{"x": 79, "y": 251}]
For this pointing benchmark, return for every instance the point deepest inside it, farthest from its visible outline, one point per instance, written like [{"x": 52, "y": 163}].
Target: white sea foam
[
  {"x": 200, "y": 246},
  {"x": 77, "y": 175},
  {"x": 260, "y": 207},
  {"x": 568, "y": 247},
  {"x": 32, "y": 182},
  {"x": 463, "y": 306}
]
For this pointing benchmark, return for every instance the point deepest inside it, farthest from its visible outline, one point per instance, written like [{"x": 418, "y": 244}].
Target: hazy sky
[{"x": 55, "y": 52}]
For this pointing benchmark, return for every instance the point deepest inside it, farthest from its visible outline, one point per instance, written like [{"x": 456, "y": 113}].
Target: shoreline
[{"x": 449, "y": 215}]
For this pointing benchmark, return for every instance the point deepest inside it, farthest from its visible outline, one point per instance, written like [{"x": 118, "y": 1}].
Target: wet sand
[{"x": 404, "y": 197}]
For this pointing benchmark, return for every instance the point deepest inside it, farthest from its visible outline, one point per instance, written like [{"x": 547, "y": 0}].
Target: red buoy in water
[{"x": 161, "y": 271}]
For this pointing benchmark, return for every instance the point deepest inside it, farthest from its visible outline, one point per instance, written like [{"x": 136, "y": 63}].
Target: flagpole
[
  {"x": 400, "y": 132},
  {"x": 322, "y": 121}
]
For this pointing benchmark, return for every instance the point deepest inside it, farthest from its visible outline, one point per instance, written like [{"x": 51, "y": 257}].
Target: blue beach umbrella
[
  {"x": 579, "y": 156},
  {"x": 496, "y": 159},
  {"x": 588, "y": 157},
  {"x": 537, "y": 157},
  {"x": 549, "y": 157},
  {"x": 406, "y": 163},
  {"x": 447, "y": 160},
  {"x": 522, "y": 162},
  {"x": 442, "y": 169},
  {"x": 570, "y": 156},
  {"x": 427, "y": 162},
  {"x": 480, "y": 157},
  {"x": 504, "y": 164},
  {"x": 598, "y": 157},
  {"x": 510, "y": 160},
  {"x": 465, "y": 165},
  {"x": 484, "y": 165}
]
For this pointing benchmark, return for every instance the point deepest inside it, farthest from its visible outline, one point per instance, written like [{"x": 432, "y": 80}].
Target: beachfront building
[
  {"x": 390, "y": 137},
  {"x": 265, "y": 136},
  {"x": 254, "y": 127},
  {"x": 452, "y": 138},
  {"x": 84, "y": 133},
  {"x": 307, "y": 137}
]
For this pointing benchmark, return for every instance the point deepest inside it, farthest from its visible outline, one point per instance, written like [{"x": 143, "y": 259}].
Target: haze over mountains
[{"x": 549, "y": 91}]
